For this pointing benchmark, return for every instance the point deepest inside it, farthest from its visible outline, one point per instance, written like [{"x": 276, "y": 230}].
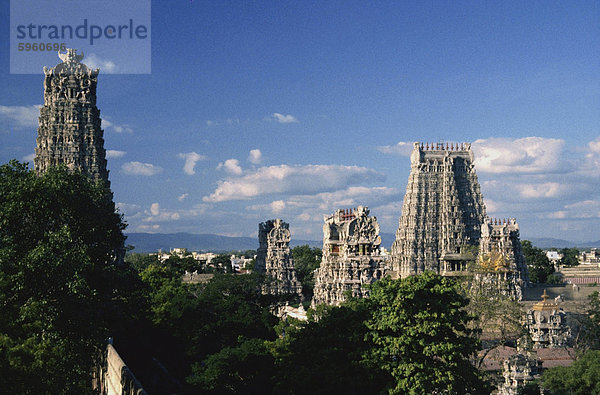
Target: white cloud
[
  {"x": 29, "y": 158},
  {"x": 155, "y": 208},
  {"x": 284, "y": 118},
  {"x": 581, "y": 210},
  {"x": 140, "y": 169},
  {"x": 21, "y": 116},
  {"x": 190, "y": 161},
  {"x": 111, "y": 154},
  {"x": 129, "y": 209},
  {"x": 524, "y": 155},
  {"x": 402, "y": 148},
  {"x": 277, "y": 206},
  {"x": 183, "y": 197},
  {"x": 123, "y": 128},
  {"x": 231, "y": 166},
  {"x": 287, "y": 179},
  {"x": 541, "y": 190},
  {"x": 106, "y": 66},
  {"x": 255, "y": 156}
]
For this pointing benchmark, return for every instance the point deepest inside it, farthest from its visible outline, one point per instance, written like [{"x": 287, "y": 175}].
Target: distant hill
[
  {"x": 548, "y": 242},
  {"x": 152, "y": 242}
]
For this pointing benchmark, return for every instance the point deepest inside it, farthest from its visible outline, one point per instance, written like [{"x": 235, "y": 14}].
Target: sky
[{"x": 285, "y": 109}]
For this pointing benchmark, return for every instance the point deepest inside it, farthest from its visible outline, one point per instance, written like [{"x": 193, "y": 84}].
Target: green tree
[
  {"x": 421, "y": 336},
  {"x": 306, "y": 260},
  {"x": 582, "y": 377},
  {"x": 324, "y": 355},
  {"x": 140, "y": 261},
  {"x": 62, "y": 290},
  {"x": 222, "y": 263},
  {"x": 538, "y": 263},
  {"x": 570, "y": 256}
]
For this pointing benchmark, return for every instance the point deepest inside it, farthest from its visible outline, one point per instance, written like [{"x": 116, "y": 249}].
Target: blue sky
[{"x": 256, "y": 110}]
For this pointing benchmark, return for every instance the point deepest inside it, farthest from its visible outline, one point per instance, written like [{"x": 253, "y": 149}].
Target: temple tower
[
  {"x": 351, "y": 256},
  {"x": 69, "y": 131},
  {"x": 274, "y": 258},
  {"x": 442, "y": 212}
]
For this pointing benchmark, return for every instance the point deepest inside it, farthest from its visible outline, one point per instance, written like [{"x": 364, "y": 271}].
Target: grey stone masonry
[
  {"x": 351, "y": 256},
  {"x": 442, "y": 212},
  {"x": 274, "y": 258},
  {"x": 69, "y": 131}
]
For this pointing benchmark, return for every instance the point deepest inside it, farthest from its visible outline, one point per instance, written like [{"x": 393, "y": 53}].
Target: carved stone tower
[
  {"x": 69, "y": 131},
  {"x": 442, "y": 211},
  {"x": 274, "y": 258},
  {"x": 351, "y": 257}
]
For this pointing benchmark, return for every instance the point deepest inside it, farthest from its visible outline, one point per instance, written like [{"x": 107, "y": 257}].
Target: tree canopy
[
  {"x": 61, "y": 287},
  {"x": 421, "y": 336},
  {"x": 538, "y": 263}
]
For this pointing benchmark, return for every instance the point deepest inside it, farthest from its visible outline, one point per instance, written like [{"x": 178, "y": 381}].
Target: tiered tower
[
  {"x": 69, "y": 131},
  {"x": 351, "y": 256},
  {"x": 274, "y": 258},
  {"x": 442, "y": 213}
]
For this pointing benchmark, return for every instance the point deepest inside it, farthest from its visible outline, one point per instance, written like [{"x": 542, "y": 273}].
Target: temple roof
[{"x": 544, "y": 305}]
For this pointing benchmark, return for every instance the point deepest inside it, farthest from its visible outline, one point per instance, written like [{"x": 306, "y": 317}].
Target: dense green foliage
[
  {"x": 61, "y": 291},
  {"x": 582, "y": 377},
  {"x": 64, "y": 292},
  {"x": 537, "y": 262},
  {"x": 569, "y": 256},
  {"x": 306, "y": 260},
  {"x": 421, "y": 336}
]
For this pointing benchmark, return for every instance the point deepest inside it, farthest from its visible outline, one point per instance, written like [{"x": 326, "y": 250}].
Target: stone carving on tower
[
  {"x": 274, "y": 258},
  {"x": 351, "y": 256},
  {"x": 547, "y": 324},
  {"x": 69, "y": 131},
  {"x": 442, "y": 213},
  {"x": 501, "y": 267}
]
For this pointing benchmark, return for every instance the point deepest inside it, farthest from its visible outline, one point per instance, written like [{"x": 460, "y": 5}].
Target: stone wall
[{"x": 115, "y": 378}]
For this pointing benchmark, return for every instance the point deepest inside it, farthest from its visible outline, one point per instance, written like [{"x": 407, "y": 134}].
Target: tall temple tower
[
  {"x": 69, "y": 131},
  {"x": 442, "y": 212},
  {"x": 273, "y": 258},
  {"x": 351, "y": 256}
]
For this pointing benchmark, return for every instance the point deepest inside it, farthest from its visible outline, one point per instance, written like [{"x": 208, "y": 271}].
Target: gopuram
[
  {"x": 351, "y": 257},
  {"x": 69, "y": 131},
  {"x": 547, "y": 325},
  {"x": 501, "y": 267},
  {"x": 442, "y": 212},
  {"x": 274, "y": 258}
]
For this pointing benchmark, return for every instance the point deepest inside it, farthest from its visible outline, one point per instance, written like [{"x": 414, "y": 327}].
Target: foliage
[
  {"x": 222, "y": 263},
  {"x": 582, "y": 377},
  {"x": 61, "y": 287},
  {"x": 244, "y": 368},
  {"x": 140, "y": 261},
  {"x": 570, "y": 256},
  {"x": 306, "y": 261},
  {"x": 324, "y": 354},
  {"x": 498, "y": 317},
  {"x": 538, "y": 263},
  {"x": 420, "y": 335}
]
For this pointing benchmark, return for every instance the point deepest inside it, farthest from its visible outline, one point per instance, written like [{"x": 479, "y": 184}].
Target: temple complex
[
  {"x": 274, "y": 258},
  {"x": 547, "y": 325},
  {"x": 69, "y": 131},
  {"x": 351, "y": 257},
  {"x": 442, "y": 212}
]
